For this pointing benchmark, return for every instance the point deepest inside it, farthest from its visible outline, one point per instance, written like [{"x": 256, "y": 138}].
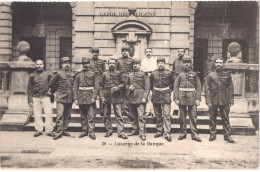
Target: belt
[
  {"x": 187, "y": 89},
  {"x": 86, "y": 88},
  {"x": 161, "y": 89}
]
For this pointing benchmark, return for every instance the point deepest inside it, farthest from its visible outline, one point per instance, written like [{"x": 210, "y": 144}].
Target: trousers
[
  {"x": 224, "y": 111},
  {"x": 192, "y": 118},
  {"x": 163, "y": 118},
  {"x": 63, "y": 117},
  {"x": 87, "y": 112},
  {"x": 137, "y": 118},
  {"x": 118, "y": 115},
  {"x": 38, "y": 104},
  {"x": 149, "y": 105}
]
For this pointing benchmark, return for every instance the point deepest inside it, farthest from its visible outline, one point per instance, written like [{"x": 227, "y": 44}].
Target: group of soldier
[{"x": 135, "y": 88}]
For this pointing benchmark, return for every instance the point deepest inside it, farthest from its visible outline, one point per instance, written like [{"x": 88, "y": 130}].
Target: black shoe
[
  {"x": 92, "y": 136},
  {"x": 83, "y": 134},
  {"x": 51, "y": 134},
  {"x": 143, "y": 137},
  {"x": 123, "y": 136},
  {"x": 38, "y": 133},
  {"x": 133, "y": 133},
  {"x": 158, "y": 135},
  {"x": 197, "y": 139},
  {"x": 168, "y": 138},
  {"x": 57, "y": 136},
  {"x": 108, "y": 134},
  {"x": 212, "y": 138},
  {"x": 182, "y": 137},
  {"x": 229, "y": 139},
  {"x": 65, "y": 133}
]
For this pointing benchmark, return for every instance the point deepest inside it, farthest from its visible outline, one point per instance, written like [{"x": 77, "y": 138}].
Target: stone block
[
  {"x": 81, "y": 52},
  {"x": 6, "y": 31},
  {"x": 193, "y": 4},
  {"x": 6, "y": 9},
  {"x": 105, "y": 43},
  {"x": 180, "y": 9},
  {"x": 84, "y": 8},
  {"x": 160, "y": 36},
  {"x": 179, "y": 40},
  {"x": 5, "y": 51},
  {"x": 18, "y": 101},
  {"x": 161, "y": 28},
  {"x": 6, "y": 16},
  {"x": 84, "y": 23},
  {"x": 107, "y": 51},
  {"x": 161, "y": 52},
  {"x": 6, "y": 23},
  {"x": 3, "y": 102},
  {"x": 155, "y": 4},
  {"x": 103, "y": 27},
  {"x": 103, "y": 35},
  {"x": 180, "y": 27},
  {"x": 125, "y": 4},
  {"x": 6, "y": 44},
  {"x": 109, "y": 4},
  {"x": 162, "y": 44},
  {"x": 162, "y": 12},
  {"x": 84, "y": 39}
]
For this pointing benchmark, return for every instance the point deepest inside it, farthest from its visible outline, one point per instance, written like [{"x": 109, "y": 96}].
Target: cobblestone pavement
[{"x": 22, "y": 150}]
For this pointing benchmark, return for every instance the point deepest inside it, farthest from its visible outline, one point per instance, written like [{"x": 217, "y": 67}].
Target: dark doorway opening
[{"x": 66, "y": 47}]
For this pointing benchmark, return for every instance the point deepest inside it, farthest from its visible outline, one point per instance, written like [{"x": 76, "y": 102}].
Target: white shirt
[{"x": 149, "y": 64}]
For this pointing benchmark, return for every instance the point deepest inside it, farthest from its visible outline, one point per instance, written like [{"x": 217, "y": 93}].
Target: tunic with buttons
[
  {"x": 63, "y": 83},
  {"x": 187, "y": 80},
  {"x": 110, "y": 79},
  {"x": 97, "y": 66},
  {"x": 85, "y": 79},
  {"x": 219, "y": 88},
  {"x": 124, "y": 65},
  {"x": 161, "y": 79},
  {"x": 141, "y": 83},
  {"x": 177, "y": 66}
]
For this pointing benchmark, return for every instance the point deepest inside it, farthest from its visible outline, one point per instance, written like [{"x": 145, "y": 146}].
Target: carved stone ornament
[
  {"x": 234, "y": 48},
  {"x": 23, "y": 47}
]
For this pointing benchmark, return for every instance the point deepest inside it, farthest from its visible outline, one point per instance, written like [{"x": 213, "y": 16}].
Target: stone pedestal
[{"x": 18, "y": 113}]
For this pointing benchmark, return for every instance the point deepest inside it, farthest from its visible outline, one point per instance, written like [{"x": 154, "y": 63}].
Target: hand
[
  {"x": 131, "y": 87},
  {"x": 230, "y": 104},
  {"x": 197, "y": 102},
  {"x": 209, "y": 104},
  {"x": 103, "y": 100},
  {"x": 177, "y": 102},
  {"x": 31, "y": 104},
  {"x": 76, "y": 102},
  {"x": 93, "y": 100},
  {"x": 143, "y": 100},
  {"x": 48, "y": 93},
  {"x": 115, "y": 89}
]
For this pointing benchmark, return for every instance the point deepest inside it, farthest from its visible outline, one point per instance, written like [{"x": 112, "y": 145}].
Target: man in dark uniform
[
  {"x": 124, "y": 65},
  {"x": 162, "y": 85},
  {"x": 137, "y": 86},
  {"x": 85, "y": 90},
  {"x": 62, "y": 83},
  {"x": 177, "y": 66},
  {"x": 187, "y": 94},
  {"x": 98, "y": 66},
  {"x": 112, "y": 84},
  {"x": 219, "y": 93}
]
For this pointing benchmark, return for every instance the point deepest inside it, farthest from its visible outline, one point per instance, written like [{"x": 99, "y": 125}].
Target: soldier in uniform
[
  {"x": 62, "y": 83},
  {"x": 112, "y": 84},
  {"x": 162, "y": 85},
  {"x": 137, "y": 86},
  {"x": 124, "y": 65},
  {"x": 187, "y": 94},
  {"x": 38, "y": 97},
  {"x": 85, "y": 90},
  {"x": 177, "y": 66},
  {"x": 98, "y": 66},
  {"x": 219, "y": 93}
]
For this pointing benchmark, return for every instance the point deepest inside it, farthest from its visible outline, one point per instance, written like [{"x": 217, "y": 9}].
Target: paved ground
[{"x": 22, "y": 150}]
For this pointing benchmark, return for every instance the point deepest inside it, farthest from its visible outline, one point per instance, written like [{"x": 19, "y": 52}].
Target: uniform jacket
[
  {"x": 124, "y": 65},
  {"x": 219, "y": 88},
  {"x": 110, "y": 79},
  {"x": 210, "y": 66},
  {"x": 85, "y": 79},
  {"x": 38, "y": 84},
  {"x": 161, "y": 79},
  {"x": 63, "y": 83},
  {"x": 97, "y": 66},
  {"x": 177, "y": 66},
  {"x": 141, "y": 82},
  {"x": 187, "y": 79}
]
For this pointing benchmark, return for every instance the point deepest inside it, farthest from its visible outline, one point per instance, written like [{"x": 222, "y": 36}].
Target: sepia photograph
[{"x": 129, "y": 85}]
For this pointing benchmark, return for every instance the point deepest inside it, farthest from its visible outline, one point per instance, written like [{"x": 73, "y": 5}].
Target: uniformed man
[
  {"x": 148, "y": 65},
  {"x": 137, "y": 86},
  {"x": 98, "y": 66},
  {"x": 187, "y": 95},
  {"x": 177, "y": 66},
  {"x": 62, "y": 83},
  {"x": 210, "y": 64},
  {"x": 38, "y": 98},
  {"x": 112, "y": 84},
  {"x": 124, "y": 65},
  {"x": 85, "y": 90},
  {"x": 219, "y": 93},
  {"x": 162, "y": 85}
]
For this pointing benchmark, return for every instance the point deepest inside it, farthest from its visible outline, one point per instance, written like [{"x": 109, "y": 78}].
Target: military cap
[
  {"x": 187, "y": 59},
  {"x": 125, "y": 48},
  {"x": 95, "y": 49},
  {"x": 136, "y": 61},
  {"x": 64, "y": 59},
  {"x": 161, "y": 59},
  {"x": 85, "y": 60}
]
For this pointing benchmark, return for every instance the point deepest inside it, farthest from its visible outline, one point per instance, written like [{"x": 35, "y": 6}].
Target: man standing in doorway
[
  {"x": 148, "y": 65},
  {"x": 162, "y": 85},
  {"x": 38, "y": 98},
  {"x": 177, "y": 66},
  {"x": 187, "y": 94},
  {"x": 112, "y": 84},
  {"x": 85, "y": 90},
  {"x": 219, "y": 92},
  {"x": 138, "y": 86},
  {"x": 63, "y": 83}
]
